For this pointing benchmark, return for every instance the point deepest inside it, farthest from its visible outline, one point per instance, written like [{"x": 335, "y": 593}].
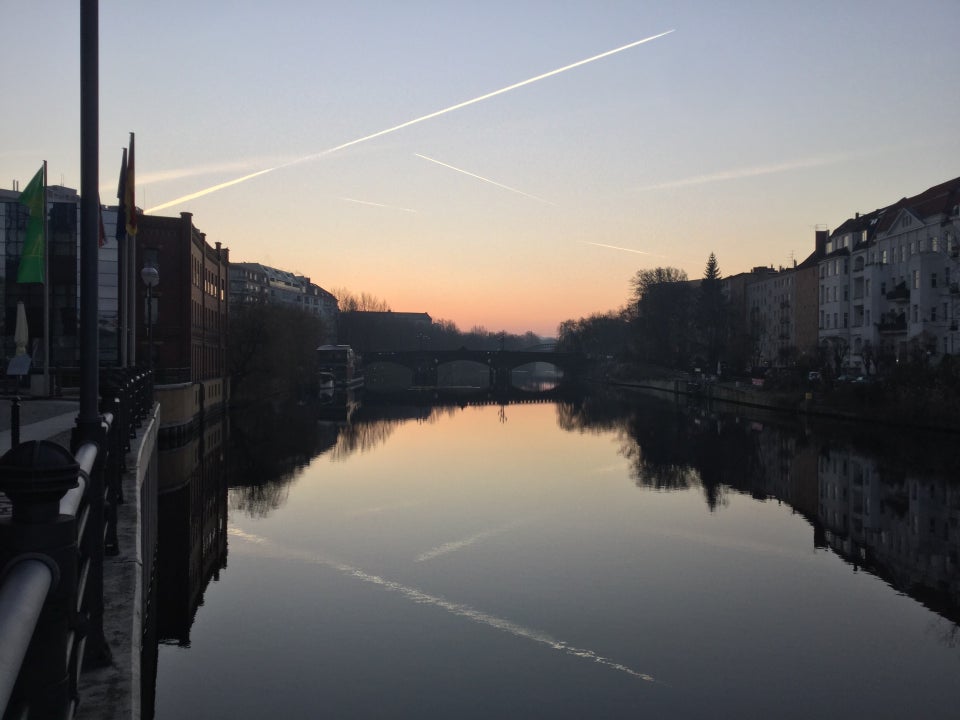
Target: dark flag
[
  {"x": 129, "y": 189},
  {"x": 122, "y": 196}
]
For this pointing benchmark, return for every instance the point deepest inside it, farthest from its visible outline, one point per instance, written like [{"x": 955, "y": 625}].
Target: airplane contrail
[
  {"x": 401, "y": 126},
  {"x": 748, "y": 172},
  {"x": 453, "y": 546},
  {"x": 454, "y": 608},
  {"x": 376, "y": 204},
  {"x": 486, "y": 180},
  {"x": 616, "y": 247}
]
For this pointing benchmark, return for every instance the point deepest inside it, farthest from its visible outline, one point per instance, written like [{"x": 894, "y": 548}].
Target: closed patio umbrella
[{"x": 21, "y": 333}]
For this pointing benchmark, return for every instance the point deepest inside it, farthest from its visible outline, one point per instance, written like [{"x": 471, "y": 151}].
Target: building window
[
  {"x": 916, "y": 313},
  {"x": 916, "y": 279},
  {"x": 884, "y": 257},
  {"x": 933, "y": 280},
  {"x": 933, "y": 314},
  {"x": 821, "y": 319},
  {"x": 846, "y": 320}
]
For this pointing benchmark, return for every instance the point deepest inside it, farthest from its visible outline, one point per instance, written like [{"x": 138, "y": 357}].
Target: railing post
[
  {"x": 91, "y": 546},
  {"x": 15, "y": 422},
  {"x": 34, "y": 476}
]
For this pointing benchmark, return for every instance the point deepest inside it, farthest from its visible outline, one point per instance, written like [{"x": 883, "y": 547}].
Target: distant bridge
[{"x": 501, "y": 363}]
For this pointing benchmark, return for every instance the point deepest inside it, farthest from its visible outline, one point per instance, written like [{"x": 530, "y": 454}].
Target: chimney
[{"x": 820, "y": 244}]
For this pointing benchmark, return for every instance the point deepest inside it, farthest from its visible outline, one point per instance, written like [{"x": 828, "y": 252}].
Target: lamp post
[{"x": 151, "y": 278}]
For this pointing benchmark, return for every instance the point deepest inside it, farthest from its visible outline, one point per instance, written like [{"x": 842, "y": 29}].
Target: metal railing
[{"x": 52, "y": 546}]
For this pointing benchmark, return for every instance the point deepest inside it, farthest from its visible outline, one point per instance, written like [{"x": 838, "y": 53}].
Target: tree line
[
  {"x": 668, "y": 320},
  {"x": 272, "y": 348}
]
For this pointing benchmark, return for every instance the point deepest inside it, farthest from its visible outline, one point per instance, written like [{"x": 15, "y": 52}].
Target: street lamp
[{"x": 151, "y": 278}]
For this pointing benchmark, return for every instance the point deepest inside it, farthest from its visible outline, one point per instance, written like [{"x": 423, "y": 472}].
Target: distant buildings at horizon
[{"x": 882, "y": 286}]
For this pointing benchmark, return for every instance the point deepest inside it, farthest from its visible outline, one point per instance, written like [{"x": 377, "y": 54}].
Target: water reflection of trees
[
  {"x": 669, "y": 446},
  {"x": 374, "y": 422},
  {"x": 884, "y": 500},
  {"x": 270, "y": 445}
]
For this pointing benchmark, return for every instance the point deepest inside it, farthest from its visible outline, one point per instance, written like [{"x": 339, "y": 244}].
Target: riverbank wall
[{"x": 846, "y": 406}]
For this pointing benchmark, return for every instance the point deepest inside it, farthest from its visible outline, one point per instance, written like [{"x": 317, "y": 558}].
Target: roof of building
[{"x": 940, "y": 199}]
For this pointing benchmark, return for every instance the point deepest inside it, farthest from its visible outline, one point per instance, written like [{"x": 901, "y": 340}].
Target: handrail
[
  {"x": 51, "y": 554},
  {"x": 23, "y": 590}
]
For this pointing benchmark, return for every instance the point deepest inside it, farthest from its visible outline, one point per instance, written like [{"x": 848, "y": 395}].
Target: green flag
[{"x": 34, "y": 197}]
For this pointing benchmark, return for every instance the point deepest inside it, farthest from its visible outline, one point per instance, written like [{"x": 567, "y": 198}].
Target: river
[{"x": 597, "y": 557}]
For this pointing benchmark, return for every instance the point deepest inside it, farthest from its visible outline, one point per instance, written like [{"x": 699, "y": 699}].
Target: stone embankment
[{"x": 836, "y": 404}]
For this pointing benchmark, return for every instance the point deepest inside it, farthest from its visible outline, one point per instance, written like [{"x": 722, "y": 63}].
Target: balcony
[
  {"x": 955, "y": 288},
  {"x": 899, "y": 294},
  {"x": 893, "y": 323}
]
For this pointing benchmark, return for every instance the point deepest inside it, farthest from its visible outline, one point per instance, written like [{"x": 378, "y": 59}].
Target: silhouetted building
[
  {"x": 253, "y": 283},
  {"x": 365, "y": 331},
  {"x": 189, "y": 304}
]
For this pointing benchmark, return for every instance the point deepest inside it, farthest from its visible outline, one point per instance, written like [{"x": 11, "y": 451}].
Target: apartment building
[
  {"x": 258, "y": 283},
  {"x": 888, "y": 282}
]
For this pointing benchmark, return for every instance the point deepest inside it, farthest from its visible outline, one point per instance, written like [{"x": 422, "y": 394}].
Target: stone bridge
[{"x": 501, "y": 363}]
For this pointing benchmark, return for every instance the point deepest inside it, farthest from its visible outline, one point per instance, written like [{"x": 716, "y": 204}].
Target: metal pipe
[
  {"x": 72, "y": 499},
  {"x": 23, "y": 592}
]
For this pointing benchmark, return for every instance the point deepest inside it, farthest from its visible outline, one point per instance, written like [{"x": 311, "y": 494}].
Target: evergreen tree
[{"x": 712, "y": 314}]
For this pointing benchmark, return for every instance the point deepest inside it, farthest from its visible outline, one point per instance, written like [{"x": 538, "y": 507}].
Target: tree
[
  {"x": 711, "y": 318},
  {"x": 663, "y": 297},
  {"x": 348, "y": 301},
  {"x": 273, "y": 350}
]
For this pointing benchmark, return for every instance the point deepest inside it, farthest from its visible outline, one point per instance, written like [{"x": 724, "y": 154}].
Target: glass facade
[{"x": 63, "y": 237}]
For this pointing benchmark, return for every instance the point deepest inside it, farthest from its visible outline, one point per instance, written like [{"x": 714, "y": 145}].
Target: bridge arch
[{"x": 425, "y": 364}]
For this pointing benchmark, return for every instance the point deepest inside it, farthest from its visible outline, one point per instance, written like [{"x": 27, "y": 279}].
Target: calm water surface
[{"x": 567, "y": 561}]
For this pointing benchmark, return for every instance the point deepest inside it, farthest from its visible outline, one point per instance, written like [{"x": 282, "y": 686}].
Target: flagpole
[
  {"x": 132, "y": 273},
  {"x": 47, "y": 390},
  {"x": 132, "y": 298}
]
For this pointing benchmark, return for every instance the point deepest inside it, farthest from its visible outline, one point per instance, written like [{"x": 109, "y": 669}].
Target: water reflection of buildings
[
  {"x": 893, "y": 515},
  {"x": 192, "y": 527},
  {"x": 904, "y": 528}
]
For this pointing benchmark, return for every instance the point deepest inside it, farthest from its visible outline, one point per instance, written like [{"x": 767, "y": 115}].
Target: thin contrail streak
[
  {"x": 401, "y": 126},
  {"x": 486, "y": 180},
  {"x": 455, "y": 545},
  {"x": 376, "y": 204},
  {"x": 457, "y": 609},
  {"x": 616, "y": 247},
  {"x": 742, "y": 173}
]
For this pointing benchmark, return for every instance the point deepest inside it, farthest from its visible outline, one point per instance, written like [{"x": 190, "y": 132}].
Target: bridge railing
[{"x": 52, "y": 546}]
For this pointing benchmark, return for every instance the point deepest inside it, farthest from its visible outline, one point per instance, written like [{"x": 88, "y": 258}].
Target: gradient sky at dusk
[{"x": 739, "y": 133}]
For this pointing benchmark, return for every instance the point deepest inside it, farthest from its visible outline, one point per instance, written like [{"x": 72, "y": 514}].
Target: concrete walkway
[{"x": 39, "y": 420}]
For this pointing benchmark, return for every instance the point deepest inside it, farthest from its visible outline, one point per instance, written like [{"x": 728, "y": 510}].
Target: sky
[{"x": 742, "y": 130}]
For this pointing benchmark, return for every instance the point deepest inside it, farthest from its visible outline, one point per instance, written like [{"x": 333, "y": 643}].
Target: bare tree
[{"x": 348, "y": 301}]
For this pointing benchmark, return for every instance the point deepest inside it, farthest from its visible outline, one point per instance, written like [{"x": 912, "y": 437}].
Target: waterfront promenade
[{"x": 111, "y": 692}]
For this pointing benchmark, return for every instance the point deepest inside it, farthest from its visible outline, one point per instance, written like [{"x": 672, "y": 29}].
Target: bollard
[
  {"x": 15, "y": 422},
  {"x": 35, "y": 476}
]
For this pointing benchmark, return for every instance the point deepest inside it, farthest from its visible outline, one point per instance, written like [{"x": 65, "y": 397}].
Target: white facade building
[{"x": 888, "y": 282}]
